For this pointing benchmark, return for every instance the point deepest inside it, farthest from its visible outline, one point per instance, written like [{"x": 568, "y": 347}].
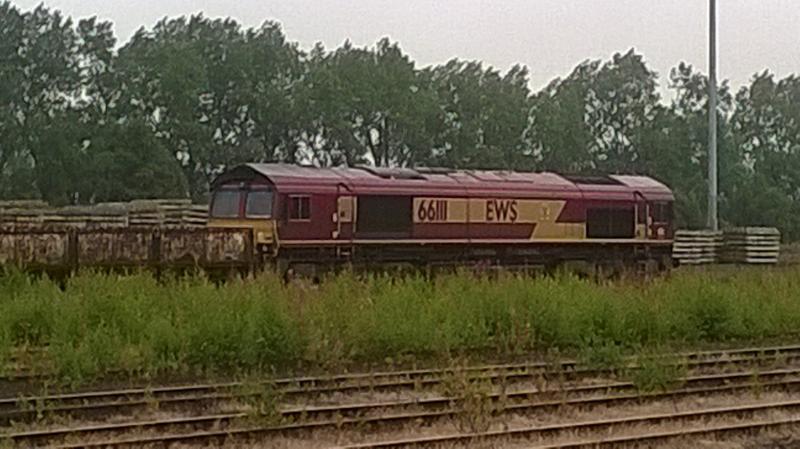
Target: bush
[{"x": 134, "y": 323}]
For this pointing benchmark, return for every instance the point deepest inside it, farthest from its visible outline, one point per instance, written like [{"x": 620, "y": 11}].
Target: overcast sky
[{"x": 549, "y": 36}]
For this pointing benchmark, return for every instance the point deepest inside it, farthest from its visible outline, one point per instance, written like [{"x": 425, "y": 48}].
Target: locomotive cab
[
  {"x": 245, "y": 205},
  {"x": 662, "y": 220}
]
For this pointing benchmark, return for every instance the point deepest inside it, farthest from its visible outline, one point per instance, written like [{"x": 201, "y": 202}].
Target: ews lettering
[
  {"x": 504, "y": 211},
  {"x": 432, "y": 210}
]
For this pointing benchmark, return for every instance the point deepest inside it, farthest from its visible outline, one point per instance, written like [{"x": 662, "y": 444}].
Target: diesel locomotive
[{"x": 311, "y": 219}]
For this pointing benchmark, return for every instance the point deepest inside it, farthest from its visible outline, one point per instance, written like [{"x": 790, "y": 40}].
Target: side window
[
  {"x": 299, "y": 208},
  {"x": 610, "y": 223}
]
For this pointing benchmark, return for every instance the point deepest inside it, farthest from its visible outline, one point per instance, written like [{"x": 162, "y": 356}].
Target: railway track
[
  {"x": 229, "y": 425},
  {"x": 707, "y": 356},
  {"x": 199, "y": 396},
  {"x": 220, "y": 426},
  {"x": 581, "y": 427}
]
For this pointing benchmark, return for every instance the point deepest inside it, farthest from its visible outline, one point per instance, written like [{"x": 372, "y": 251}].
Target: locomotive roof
[{"x": 438, "y": 181}]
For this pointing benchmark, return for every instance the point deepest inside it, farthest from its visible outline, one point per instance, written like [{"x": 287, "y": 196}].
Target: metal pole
[{"x": 713, "y": 223}]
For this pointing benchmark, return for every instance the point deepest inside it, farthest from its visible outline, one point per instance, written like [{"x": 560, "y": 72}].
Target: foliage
[
  {"x": 658, "y": 372},
  {"x": 472, "y": 399},
  {"x": 105, "y": 323},
  {"x": 84, "y": 120},
  {"x": 102, "y": 323}
]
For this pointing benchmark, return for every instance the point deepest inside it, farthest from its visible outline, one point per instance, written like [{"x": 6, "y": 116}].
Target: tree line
[{"x": 84, "y": 120}]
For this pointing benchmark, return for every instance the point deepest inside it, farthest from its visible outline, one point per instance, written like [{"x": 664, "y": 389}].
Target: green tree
[
  {"x": 372, "y": 106},
  {"x": 40, "y": 78},
  {"x": 682, "y": 159},
  {"x": 215, "y": 94},
  {"x": 16, "y": 161},
  {"x": 165, "y": 77},
  {"x": 276, "y": 113},
  {"x": 622, "y": 105},
  {"x": 562, "y": 135},
  {"x": 766, "y": 123},
  {"x": 128, "y": 162},
  {"x": 486, "y": 116}
]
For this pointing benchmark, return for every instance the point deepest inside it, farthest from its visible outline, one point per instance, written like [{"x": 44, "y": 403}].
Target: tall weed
[{"x": 95, "y": 323}]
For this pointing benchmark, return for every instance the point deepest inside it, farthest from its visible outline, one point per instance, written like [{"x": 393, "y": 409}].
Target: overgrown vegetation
[
  {"x": 101, "y": 323},
  {"x": 471, "y": 399},
  {"x": 658, "y": 372}
]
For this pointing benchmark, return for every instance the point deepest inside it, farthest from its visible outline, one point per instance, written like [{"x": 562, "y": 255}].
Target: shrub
[{"x": 96, "y": 323}]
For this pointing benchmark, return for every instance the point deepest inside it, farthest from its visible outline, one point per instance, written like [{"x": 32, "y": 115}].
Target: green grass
[{"x": 101, "y": 323}]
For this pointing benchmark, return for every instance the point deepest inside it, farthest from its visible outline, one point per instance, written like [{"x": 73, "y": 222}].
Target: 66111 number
[{"x": 432, "y": 210}]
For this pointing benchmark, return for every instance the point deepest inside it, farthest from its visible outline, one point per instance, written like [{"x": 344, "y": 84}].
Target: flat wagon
[{"x": 64, "y": 250}]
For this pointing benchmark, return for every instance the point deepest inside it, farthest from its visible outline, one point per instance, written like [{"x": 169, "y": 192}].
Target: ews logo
[{"x": 501, "y": 211}]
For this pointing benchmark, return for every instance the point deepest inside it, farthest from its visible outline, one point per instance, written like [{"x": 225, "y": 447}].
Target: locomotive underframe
[{"x": 317, "y": 259}]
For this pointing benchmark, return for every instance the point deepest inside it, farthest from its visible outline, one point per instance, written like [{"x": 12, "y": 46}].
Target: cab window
[
  {"x": 226, "y": 204},
  {"x": 259, "y": 204},
  {"x": 662, "y": 212},
  {"x": 299, "y": 208}
]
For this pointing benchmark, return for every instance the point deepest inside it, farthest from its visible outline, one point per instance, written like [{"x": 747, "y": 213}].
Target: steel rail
[
  {"x": 223, "y": 435},
  {"x": 27, "y": 409},
  {"x": 651, "y": 437},
  {"x": 527, "y": 432},
  {"x": 394, "y": 380},
  {"x": 707, "y": 357},
  {"x": 433, "y": 408}
]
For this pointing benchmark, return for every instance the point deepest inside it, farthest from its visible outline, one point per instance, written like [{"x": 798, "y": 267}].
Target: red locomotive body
[{"x": 324, "y": 216}]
